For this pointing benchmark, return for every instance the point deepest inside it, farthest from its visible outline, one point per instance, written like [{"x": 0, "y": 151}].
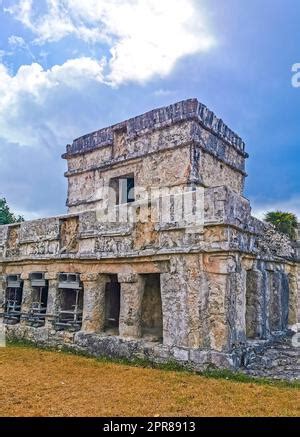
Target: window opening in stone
[{"x": 13, "y": 299}]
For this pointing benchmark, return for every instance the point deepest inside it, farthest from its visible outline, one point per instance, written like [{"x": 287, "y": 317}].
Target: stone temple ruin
[{"x": 219, "y": 290}]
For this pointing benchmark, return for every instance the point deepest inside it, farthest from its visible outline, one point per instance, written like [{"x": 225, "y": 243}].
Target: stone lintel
[
  {"x": 128, "y": 277},
  {"x": 89, "y": 277},
  {"x": 248, "y": 263},
  {"x": 51, "y": 276},
  {"x": 221, "y": 264},
  {"x": 25, "y": 276}
]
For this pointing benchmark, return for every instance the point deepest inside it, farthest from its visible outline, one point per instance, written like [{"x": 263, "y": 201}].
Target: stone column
[
  {"x": 2, "y": 292},
  {"x": 93, "y": 318},
  {"x": 275, "y": 307},
  {"x": 184, "y": 297},
  {"x": 53, "y": 298},
  {"x": 255, "y": 305},
  {"x": 238, "y": 298},
  {"x": 293, "y": 298},
  {"x": 220, "y": 309},
  {"x": 27, "y": 296},
  {"x": 132, "y": 289}
]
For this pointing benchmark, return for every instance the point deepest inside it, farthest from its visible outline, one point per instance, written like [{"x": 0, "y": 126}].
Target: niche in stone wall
[
  {"x": 69, "y": 235},
  {"x": 13, "y": 238},
  {"x": 278, "y": 300},
  {"x": 152, "y": 318},
  {"x": 267, "y": 302},
  {"x": 119, "y": 148}
]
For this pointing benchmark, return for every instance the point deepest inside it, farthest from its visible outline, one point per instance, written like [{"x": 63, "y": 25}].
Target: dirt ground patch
[{"x": 35, "y": 382}]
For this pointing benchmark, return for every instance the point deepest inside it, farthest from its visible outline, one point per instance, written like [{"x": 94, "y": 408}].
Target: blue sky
[{"x": 68, "y": 67}]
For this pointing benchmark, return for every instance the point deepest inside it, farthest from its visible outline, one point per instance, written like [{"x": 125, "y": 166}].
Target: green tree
[
  {"x": 6, "y": 216},
  {"x": 285, "y": 222}
]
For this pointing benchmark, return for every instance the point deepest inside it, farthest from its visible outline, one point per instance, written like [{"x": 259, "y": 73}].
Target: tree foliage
[
  {"x": 285, "y": 222},
  {"x": 6, "y": 216}
]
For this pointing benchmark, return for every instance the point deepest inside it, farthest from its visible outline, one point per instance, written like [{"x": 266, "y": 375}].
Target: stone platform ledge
[{"x": 101, "y": 345}]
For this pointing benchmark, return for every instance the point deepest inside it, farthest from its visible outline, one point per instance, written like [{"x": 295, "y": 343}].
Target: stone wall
[
  {"x": 177, "y": 145},
  {"x": 227, "y": 225}
]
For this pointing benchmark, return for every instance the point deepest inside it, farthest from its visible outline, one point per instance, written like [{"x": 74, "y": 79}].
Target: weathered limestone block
[
  {"x": 40, "y": 248},
  {"x": 82, "y": 162},
  {"x": 223, "y": 205},
  {"x": 132, "y": 288},
  {"x": 226, "y": 174},
  {"x": 203, "y": 304},
  {"x": 219, "y": 270},
  {"x": 183, "y": 295},
  {"x": 93, "y": 317},
  {"x": 39, "y": 230}
]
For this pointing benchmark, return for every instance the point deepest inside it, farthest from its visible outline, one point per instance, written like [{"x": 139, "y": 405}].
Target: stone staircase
[{"x": 280, "y": 360}]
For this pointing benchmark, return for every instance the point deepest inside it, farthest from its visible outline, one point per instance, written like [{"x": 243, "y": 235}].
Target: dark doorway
[
  {"x": 112, "y": 305},
  {"x": 152, "y": 318}
]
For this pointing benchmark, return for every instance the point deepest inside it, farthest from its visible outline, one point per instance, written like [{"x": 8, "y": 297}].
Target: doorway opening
[
  {"x": 112, "y": 305},
  {"x": 152, "y": 317}
]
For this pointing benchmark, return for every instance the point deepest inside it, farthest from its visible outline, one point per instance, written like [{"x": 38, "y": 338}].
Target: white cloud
[
  {"x": 16, "y": 41},
  {"x": 47, "y": 107},
  {"x": 144, "y": 37},
  {"x": 290, "y": 205},
  {"x": 30, "y": 106}
]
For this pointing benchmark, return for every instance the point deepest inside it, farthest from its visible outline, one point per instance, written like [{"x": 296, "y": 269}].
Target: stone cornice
[{"x": 190, "y": 109}]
